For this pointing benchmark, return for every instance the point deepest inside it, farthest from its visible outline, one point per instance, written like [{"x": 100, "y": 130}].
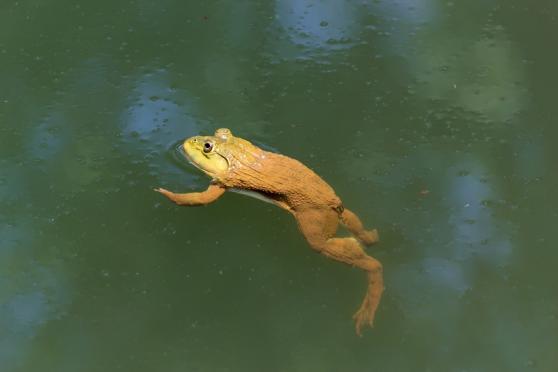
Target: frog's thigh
[{"x": 317, "y": 226}]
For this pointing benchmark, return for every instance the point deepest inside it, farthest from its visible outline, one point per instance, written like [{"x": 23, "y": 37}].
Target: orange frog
[{"x": 235, "y": 164}]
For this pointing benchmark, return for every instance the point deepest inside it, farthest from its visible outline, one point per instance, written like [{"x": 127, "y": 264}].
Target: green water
[{"x": 435, "y": 121}]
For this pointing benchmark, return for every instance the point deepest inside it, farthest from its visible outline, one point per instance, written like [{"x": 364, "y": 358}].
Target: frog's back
[{"x": 285, "y": 179}]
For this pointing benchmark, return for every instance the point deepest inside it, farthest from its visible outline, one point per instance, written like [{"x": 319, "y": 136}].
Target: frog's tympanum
[{"x": 235, "y": 164}]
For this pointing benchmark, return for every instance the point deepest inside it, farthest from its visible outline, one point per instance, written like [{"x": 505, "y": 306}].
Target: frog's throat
[{"x": 196, "y": 163}]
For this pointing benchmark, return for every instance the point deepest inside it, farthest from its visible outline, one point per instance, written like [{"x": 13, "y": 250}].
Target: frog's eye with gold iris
[{"x": 207, "y": 147}]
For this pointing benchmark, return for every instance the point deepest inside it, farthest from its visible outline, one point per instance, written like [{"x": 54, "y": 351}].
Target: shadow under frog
[{"x": 235, "y": 164}]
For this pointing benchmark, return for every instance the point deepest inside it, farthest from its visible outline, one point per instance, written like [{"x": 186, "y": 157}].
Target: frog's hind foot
[
  {"x": 349, "y": 251},
  {"x": 369, "y": 237},
  {"x": 365, "y": 314},
  {"x": 353, "y": 224}
]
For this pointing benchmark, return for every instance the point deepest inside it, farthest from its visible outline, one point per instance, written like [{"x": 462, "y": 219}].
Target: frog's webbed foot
[
  {"x": 353, "y": 224},
  {"x": 365, "y": 314},
  {"x": 318, "y": 227}
]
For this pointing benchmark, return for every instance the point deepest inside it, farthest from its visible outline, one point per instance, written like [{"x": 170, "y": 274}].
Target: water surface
[{"x": 433, "y": 120}]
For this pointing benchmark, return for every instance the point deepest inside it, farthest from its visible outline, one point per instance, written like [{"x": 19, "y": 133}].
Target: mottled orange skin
[{"x": 236, "y": 164}]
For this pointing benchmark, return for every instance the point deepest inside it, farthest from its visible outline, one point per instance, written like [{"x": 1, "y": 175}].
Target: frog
[{"x": 235, "y": 164}]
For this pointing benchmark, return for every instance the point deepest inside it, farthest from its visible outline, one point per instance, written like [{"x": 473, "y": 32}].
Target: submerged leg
[
  {"x": 318, "y": 227},
  {"x": 353, "y": 224},
  {"x": 212, "y": 193}
]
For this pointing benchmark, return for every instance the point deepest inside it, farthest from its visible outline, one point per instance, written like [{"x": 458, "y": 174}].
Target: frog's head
[
  {"x": 215, "y": 155},
  {"x": 208, "y": 153}
]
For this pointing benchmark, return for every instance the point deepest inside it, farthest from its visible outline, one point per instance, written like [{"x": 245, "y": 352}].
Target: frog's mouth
[{"x": 187, "y": 156}]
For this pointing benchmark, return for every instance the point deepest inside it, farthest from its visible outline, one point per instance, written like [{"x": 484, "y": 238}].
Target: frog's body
[
  {"x": 282, "y": 180},
  {"x": 235, "y": 164}
]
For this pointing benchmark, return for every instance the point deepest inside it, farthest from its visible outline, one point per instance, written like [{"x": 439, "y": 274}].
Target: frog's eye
[{"x": 207, "y": 147}]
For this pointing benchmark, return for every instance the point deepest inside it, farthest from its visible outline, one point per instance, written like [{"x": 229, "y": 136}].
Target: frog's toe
[{"x": 363, "y": 317}]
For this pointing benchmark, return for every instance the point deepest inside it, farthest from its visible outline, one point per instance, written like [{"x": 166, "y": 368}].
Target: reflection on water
[
  {"x": 153, "y": 107},
  {"x": 33, "y": 291},
  {"x": 433, "y": 120},
  {"x": 46, "y": 141},
  {"x": 485, "y": 76},
  {"x": 473, "y": 215},
  {"x": 318, "y": 25}
]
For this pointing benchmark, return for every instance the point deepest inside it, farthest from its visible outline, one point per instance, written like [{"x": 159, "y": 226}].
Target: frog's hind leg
[
  {"x": 319, "y": 227},
  {"x": 353, "y": 224}
]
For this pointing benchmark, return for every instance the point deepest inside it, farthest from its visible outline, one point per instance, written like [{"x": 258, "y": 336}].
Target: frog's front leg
[{"x": 212, "y": 193}]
